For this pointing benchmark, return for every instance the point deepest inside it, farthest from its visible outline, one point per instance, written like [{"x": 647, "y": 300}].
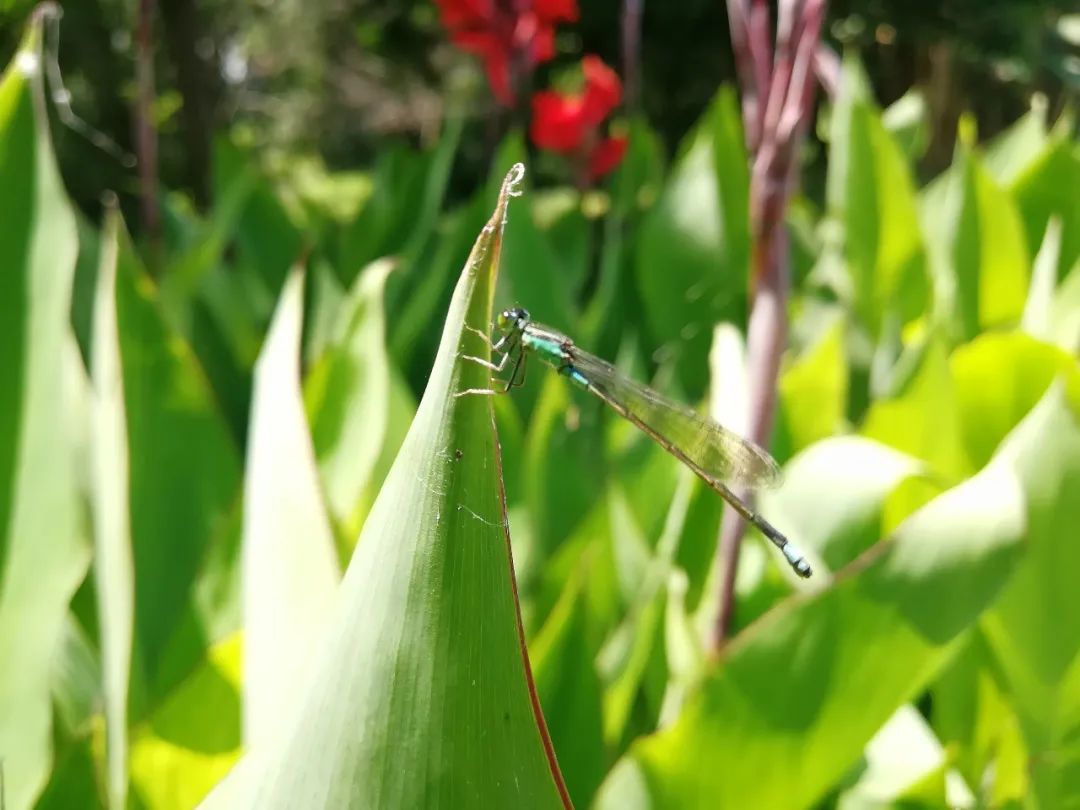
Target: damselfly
[{"x": 713, "y": 452}]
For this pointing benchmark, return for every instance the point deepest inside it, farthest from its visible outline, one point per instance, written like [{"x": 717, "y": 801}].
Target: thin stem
[
  {"x": 766, "y": 339},
  {"x": 827, "y": 70},
  {"x": 184, "y": 29},
  {"x": 631, "y": 51},
  {"x": 739, "y": 23},
  {"x": 775, "y": 121},
  {"x": 145, "y": 132},
  {"x": 762, "y": 56}
]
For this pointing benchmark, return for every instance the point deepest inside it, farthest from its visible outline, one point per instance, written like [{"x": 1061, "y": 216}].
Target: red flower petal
[
  {"x": 606, "y": 156},
  {"x": 462, "y": 13},
  {"x": 497, "y": 65},
  {"x": 542, "y": 47},
  {"x": 553, "y": 11},
  {"x": 556, "y": 122},
  {"x": 496, "y": 61},
  {"x": 603, "y": 90},
  {"x": 475, "y": 41}
]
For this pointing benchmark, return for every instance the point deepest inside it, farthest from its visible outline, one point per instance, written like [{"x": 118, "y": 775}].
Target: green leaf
[
  {"x": 1038, "y": 319},
  {"x": 192, "y": 739},
  {"x": 833, "y": 501},
  {"x": 348, "y": 399},
  {"x": 384, "y": 223},
  {"x": 987, "y": 256},
  {"x": 974, "y": 718},
  {"x": 77, "y": 685},
  {"x": 813, "y": 393},
  {"x": 403, "y": 210},
  {"x": 220, "y": 311},
  {"x": 998, "y": 378},
  {"x": 43, "y": 551},
  {"x": 870, "y": 196},
  {"x": 559, "y": 215},
  {"x": 290, "y": 566},
  {"x": 562, "y": 464},
  {"x": 114, "y": 570},
  {"x": 184, "y": 477},
  {"x": 1046, "y": 188},
  {"x": 1034, "y": 630},
  {"x": 1014, "y": 150},
  {"x": 418, "y": 694},
  {"x": 604, "y": 324},
  {"x": 410, "y": 329},
  {"x": 569, "y": 689},
  {"x": 266, "y": 241},
  {"x": 775, "y": 723},
  {"x": 906, "y": 120},
  {"x": 904, "y": 754},
  {"x": 73, "y": 781},
  {"x": 693, "y": 251},
  {"x": 924, "y": 420},
  {"x": 205, "y": 247},
  {"x": 1065, "y": 313}
]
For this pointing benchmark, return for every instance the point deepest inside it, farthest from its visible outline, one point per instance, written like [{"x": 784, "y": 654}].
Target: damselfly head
[{"x": 513, "y": 318}]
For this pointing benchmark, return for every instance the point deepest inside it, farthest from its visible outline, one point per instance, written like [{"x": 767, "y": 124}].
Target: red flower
[
  {"x": 506, "y": 32},
  {"x": 570, "y": 124}
]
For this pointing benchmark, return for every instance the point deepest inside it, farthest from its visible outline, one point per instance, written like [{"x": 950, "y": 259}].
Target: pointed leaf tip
[{"x": 420, "y": 693}]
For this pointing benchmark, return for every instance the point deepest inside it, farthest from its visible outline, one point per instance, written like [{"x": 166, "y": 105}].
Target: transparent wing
[{"x": 715, "y": 449}]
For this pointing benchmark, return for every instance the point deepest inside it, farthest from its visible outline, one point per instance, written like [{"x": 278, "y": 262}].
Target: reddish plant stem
[
  {"x": 775, "y": 122},
  {"x": 145, "y": 132},
  {"x": 827, "y": 69},
  {"x": 767, "y": 334},
  {"x": 739, "y": 22},
  {"x": 761, "y": 53},
  {"x": 631, "y": 51}
]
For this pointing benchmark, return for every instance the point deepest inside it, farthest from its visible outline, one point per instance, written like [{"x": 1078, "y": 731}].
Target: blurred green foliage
[
  {"x": 189, "y": 462},
  {"x": 314, "y": 83}
]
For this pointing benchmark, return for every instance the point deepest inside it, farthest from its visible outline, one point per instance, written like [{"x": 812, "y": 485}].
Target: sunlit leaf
[
  {"x": 1038, "y": 308},
  {"x": 813, "y": 391},
  {"x": 832, "y": 503},
  {"x": 1065, "y": 313},
  {"x": 871, "y": 197},
  {"x": 43, "y": 551},
  {"x": 975, "y": 719},
  {"x": 192, "y": 739},
  {"x": 348, "y": 399},
  {"x": 986, "y": 253},
  {"x": 774, "y": 724},
  {"x": 114, "y": 570},
  {"x": 998, "y": 378},
  {"x": 924, "y": 420},
  {"x": 1014, "y": 150},
  {"x": 1045, "y": 189},
  {"x": 903, "y": 754},
  {"x": 907, "y": 120},
  {"x": 290, "y": 566},
  {"x": 1034, "y": 631}
]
